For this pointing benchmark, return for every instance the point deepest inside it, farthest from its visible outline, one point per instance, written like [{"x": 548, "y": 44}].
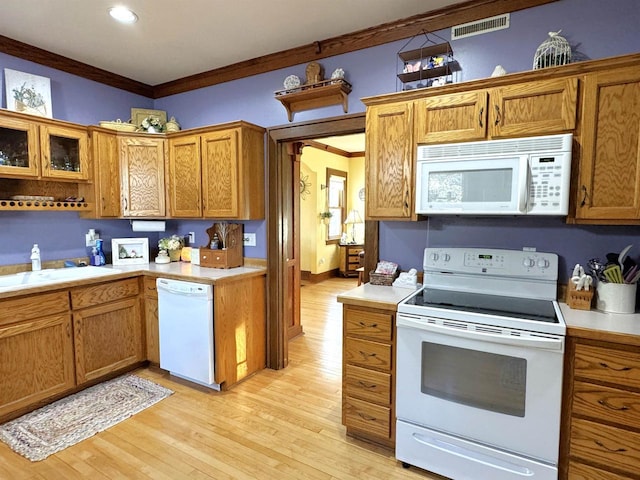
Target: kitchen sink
[{"x": 52, "y": 275}]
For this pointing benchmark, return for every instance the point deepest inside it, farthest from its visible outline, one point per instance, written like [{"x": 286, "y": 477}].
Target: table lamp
[{"x": 353, "y": 217}]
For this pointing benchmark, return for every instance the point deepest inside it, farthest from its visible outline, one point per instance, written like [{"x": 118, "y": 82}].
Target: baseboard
[{"x": 307, "y": 276}]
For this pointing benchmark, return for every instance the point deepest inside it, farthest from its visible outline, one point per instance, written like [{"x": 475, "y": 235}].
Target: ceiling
[{"x": 176, "y": 39}]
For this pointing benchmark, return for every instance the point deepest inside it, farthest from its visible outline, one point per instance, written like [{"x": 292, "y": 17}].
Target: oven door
[{"x": 482, "y": 384}]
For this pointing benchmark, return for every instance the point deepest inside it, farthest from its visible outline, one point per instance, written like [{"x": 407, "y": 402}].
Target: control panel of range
[{"x": 504, "y": 263}]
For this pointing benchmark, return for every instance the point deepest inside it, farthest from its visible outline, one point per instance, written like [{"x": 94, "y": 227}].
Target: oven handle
[{"x": 533, "y": 342}]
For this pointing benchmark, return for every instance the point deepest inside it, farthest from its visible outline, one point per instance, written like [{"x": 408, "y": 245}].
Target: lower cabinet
[
  {"x": 36, "y": 351},
  {"x": 368, "y": 374},
  {"x": 107, "y": 324},
  {"x": 602, "y": 411},
  {"x": 152, "y": 333}
]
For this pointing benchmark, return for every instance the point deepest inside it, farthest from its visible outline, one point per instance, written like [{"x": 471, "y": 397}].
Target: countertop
[
  {"x": 376, "y": 296},
  {"x": 174, "y": 270},
  {"x": 597, "y": 325}
]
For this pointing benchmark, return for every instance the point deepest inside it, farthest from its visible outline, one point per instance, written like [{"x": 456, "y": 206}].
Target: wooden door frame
[{"x": 277, "y": 153}]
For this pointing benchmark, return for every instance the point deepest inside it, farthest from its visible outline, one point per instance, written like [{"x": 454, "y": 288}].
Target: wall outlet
[
  {"x": 249, "y": 239},
  {"x": 192, "y": 238}
]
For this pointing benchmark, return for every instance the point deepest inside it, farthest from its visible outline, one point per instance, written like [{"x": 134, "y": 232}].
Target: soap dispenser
[{"x": 35, "y": 258}]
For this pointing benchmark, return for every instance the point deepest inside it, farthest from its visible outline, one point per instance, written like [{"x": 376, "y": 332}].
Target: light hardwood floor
[{"x": 283, "y": 424}]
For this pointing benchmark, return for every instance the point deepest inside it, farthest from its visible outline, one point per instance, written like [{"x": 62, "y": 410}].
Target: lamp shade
[{"x": 353, "y": 217}]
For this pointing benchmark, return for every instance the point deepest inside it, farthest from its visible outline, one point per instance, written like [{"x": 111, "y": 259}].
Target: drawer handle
[
  {"x": 366, "y": 417},
  {"x": 616, "y": 450},
  {"x": 604, "y": 403},
  {"x": 373, "y": 325},
  {"x": 367, "y": 385},
  {"x": 623, "y": 369},
  {"x": 480, "y": 117},
  {"x": 365, "y": 354}
]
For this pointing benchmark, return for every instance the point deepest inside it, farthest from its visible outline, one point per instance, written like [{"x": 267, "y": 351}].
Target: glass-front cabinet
[{"x": 29, "y": 148}]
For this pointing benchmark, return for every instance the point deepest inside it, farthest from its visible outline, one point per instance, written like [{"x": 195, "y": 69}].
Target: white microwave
[{"x": 522, "y": 176}]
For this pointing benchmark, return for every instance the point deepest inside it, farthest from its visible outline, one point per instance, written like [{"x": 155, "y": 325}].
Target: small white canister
[{"x": 616, "y": 297}]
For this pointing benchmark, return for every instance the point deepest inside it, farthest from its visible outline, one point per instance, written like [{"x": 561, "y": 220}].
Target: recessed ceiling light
[{"x": 123, "y": 14}]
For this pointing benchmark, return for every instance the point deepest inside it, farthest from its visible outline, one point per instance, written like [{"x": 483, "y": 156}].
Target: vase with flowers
[
  {"x": 172, "y": 245},
  {"x": 151, "y": 124}
]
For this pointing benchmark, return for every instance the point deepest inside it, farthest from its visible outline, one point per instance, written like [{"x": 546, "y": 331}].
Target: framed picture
[
  {"x": 139, "y": 114},
  {"x": 130, "y": 251},
  {"x": 28, "y": 93}
]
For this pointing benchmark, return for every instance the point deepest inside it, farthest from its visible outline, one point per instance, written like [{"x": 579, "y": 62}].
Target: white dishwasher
[{"x": 185, "y": 318}]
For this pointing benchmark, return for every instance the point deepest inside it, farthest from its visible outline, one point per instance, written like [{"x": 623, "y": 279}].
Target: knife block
[
  {"x": 579, "y": 299},
  {"x": 231, "y": 254}
]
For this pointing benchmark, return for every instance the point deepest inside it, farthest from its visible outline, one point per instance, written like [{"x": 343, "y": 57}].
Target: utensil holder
[
  {"x": 578, "y": 299},
  {"x": 616, "y": 297}
]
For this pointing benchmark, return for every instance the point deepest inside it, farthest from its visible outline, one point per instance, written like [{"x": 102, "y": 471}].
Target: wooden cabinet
[
  {"x": 151, "y": 327},
  {"x": 36, "y": 350},
  {"x": 602, "y": 411},
  {"x": 106, "y": 187},
  {"x": 349, "y": 259},
  {"x": 218, "y": 173},
  {"x": 541, "y": 107},
  {"x": 41, "y": 148},
  {"x": 107, "y": 325},
  {"x": 608, "y": 187},
  {"x": 389, "y": 162},
  {"x": 142, "y": 175},
  {"x": 368, "y": 373}
]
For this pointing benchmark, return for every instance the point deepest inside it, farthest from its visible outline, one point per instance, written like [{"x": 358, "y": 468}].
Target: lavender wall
[{"x": 596, "y": 29}]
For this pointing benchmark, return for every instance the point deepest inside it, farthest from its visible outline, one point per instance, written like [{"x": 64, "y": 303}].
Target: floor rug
[{"x": 61, "y": 424}]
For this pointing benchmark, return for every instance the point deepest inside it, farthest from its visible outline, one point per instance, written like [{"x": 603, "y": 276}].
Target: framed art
[
  {"x": 139, "y": 114},
  {"x": 28, "y": 93},
  {"x": 130, "y": 251}
]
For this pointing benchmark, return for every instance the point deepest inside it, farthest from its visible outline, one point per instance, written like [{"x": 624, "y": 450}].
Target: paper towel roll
[{"x": 148, "y": 225}]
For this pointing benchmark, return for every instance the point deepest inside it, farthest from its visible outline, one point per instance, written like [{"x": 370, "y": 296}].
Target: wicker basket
[
  {"x": 579, "y": 299},
  {"x": 382, "y": 278},
  {"x": 119, "y": 125}
]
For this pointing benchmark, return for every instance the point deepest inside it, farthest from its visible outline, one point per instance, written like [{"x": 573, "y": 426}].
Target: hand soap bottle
[
  {"x": 100, "y": 252},
  {"x": 35, "y": 258}
]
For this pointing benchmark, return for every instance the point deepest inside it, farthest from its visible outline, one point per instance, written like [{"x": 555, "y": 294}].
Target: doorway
[{"x": 283, "y": 249}]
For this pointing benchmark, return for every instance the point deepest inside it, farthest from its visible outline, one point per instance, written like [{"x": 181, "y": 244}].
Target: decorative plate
[
  {"x": 361, "y": 194},
  {"x": 292, "y": 81}
]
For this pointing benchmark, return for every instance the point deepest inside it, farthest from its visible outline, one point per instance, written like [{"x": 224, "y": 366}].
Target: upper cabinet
[
  {"x": 142, "y": 167},
  {"x": 106, "y": 187},
  {"x": 389, "y": 161},
  {"x": 540, "y": 107},
  {"x": 217, "y": 172},
  {"x": 608, "y": 186},
  {"x": 48, "y": 149}
]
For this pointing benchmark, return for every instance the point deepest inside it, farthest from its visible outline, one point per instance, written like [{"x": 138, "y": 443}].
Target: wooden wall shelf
[
  {"x": 57, "y": 205},
  {"x": 315, "y": 95}
]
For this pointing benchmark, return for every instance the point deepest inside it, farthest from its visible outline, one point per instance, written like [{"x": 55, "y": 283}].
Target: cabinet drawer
[
  {"x": 608, "y": 404},
  {"x": 577, "y": 471},
  {"x": 354, "y": 251},
  {"x": 367, "y": 417},
  {"x": 607, "y": 365},
  {"x": 33, "y": 306},
  {"x": 368, "y": 385},
  {"x": 367, "y": 354},
  {"x": 605, "y": 445},
  {"x": 150, "y": 289},
  {"x": 104, "y": 292},
  {"x": 373, "y": 325}
]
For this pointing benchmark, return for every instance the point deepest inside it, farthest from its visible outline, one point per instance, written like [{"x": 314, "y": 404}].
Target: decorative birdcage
[{"x": 554, "y": 51}]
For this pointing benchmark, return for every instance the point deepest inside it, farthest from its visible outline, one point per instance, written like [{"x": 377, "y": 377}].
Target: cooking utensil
[
  {"x": 596, "y": 268},
  {"x": 623, "y": 255},
  {"x": 630, "y": 274},
  {"x": 613, "y": 273}
]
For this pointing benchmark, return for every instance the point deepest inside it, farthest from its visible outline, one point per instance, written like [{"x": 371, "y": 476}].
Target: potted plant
[
  {"x": 172, "y": 245},
  {"x": 326, "y": 216}
]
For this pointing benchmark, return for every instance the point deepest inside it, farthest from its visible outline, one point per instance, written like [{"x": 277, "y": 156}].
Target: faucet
[{"x": 35, "y": 258}]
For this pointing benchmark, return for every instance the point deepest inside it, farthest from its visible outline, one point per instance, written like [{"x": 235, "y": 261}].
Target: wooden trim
[
  {"x": 65, "y": 64},
  {"x": 370, "y": 37},
  {"x": 307, "y": 276}
]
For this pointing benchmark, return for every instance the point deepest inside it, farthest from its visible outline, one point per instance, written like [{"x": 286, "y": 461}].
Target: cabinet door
[
  {"x": 455, "y": 117},
  {"x": 151, "y": 330},
  {"x": 142, "y": 176},
  {"x": 104, "y": 149},
  {"x": 543, "y": 107},
  {"x": 220, "y": 174},
  {"x": 64, "y": 152},
  {"x": 609, "y": 179},
  {"x": 19, "y": 148},
  {"x": 389, "y": 161},
  {"x": 108, "y": 337},
  {"x": 36, "y": 361},
  {"x": 185, "y": 190}
]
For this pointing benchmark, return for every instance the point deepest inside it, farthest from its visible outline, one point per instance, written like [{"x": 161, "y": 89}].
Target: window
[{"x": 336, "y": 203}]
